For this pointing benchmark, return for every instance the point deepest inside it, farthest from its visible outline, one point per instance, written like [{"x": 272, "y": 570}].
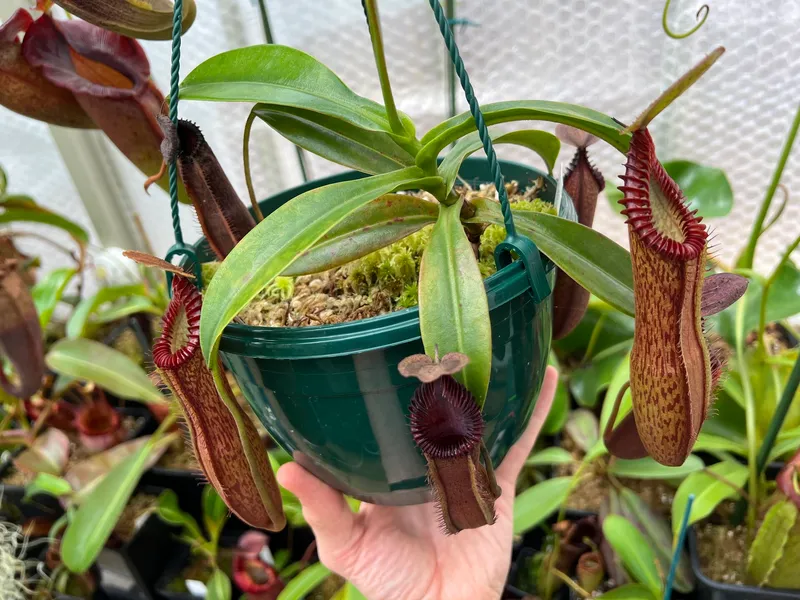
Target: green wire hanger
[
  {"x": 179, "y": 248},
  {"x": 520, "y": 245}
]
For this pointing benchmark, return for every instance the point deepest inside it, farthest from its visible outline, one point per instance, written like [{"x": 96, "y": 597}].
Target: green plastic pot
[{"x": 332, "y": 397}]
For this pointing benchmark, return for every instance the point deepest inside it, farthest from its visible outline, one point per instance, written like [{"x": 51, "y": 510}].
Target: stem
[
  {"x": 450, "y": 11},
  {"x": 373, "y": 20},
  {"x": 727, "y": 482},
  {"x": 44, "y": 239},
  {"x": 246, "y": 160},
  {"x": 267, "y": 28},
  {"x": 598, "y": 329},
  {"x": 572, "y": 584},
  {"x": 262, "y": 9},
  {"x": 702, "y": 15},
  {"x": 750, "y": 416},
  {"x": 561, "y": 513},
  {"x": 762, "y": 315},
  {"x": 748, "y": 254}
]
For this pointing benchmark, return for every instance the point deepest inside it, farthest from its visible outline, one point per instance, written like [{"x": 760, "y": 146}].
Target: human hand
[{"x": 400, "y": 552}]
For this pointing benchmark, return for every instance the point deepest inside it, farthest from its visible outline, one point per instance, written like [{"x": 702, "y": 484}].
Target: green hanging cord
[
  {"x": 174, "y": 91},
  {"x": 179, "y": 248},
  {"x": 523, "y": 247}
]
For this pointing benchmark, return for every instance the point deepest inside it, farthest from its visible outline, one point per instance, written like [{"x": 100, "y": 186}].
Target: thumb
[
  {"x": 325, "y": 510},
  {"x": 509, "y": 469}
]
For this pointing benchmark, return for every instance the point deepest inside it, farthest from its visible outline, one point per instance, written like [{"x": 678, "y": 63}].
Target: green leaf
[
  {"x": 282, "y": 76},
  {"x": 787, "y": 442},
  {"x": 19, "y": 212},
  {"x": 3, "y": 182},
  {"x": 373, "y": 226},
  {"x": 291, "y": 505},
  {"x": 707, "y": 189},
  {"x": 307, "y": 580},
  {"x": 48, "y": 291},
  {"x": 110, "y": 369},
  {"x": 631, "y": 591},
  {"x": 615, "y": 329},
  {"x": 96, "y": 517},
  {"x": 603, "y": 126},
  {"x": 348, "y": 592},
  {"x": 621, "y": 376},
  {"x": 169, "y": 511},
  {"x": 337, "y": 140},
  {"x": 47, "y": 484},
  {"x": 78, "y": 324},
  {"x": 656, "y": 531},
  {"x": 84, "y": 475},
  {"x": 549, "y": 456},
  {"x": 594, "y": 261},
  {"x": 647, "y": 468},
  {"x": 769, "y": 545},
  {"x": 614, "y": 195},
  {"x": 781, "y": 302},
  {"x": 583, "y": 428},
  {"x": 215, "y": 513},
  {"x": 537, "y": 503},
  {"x": 277, "y": 242},
  {"x": 707, "y": 442},
  {"x": 218, "y": 586},
  {"x": 453, "y": 308},
  {"x": 786, "y": 575},
  {"x": 634, "y": 551},
  {"x": 587, "y": 382},
  {"x": 559, "y": 411},
  {"x": 129, "y": 306},
  {"x": 545, "y": 144},
  {"x": 48, "y": 453},
  {"x": 708, "y": 492}
]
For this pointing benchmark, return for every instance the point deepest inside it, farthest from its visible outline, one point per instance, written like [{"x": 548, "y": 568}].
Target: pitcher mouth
[{"x": 180, "y": 338}]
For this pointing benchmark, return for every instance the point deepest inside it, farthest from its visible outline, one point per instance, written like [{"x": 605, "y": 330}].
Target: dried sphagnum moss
[{"x": 378, "y": 283}]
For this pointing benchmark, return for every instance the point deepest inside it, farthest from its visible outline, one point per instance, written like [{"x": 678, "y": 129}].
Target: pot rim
[{"x": 373, "y": 333}]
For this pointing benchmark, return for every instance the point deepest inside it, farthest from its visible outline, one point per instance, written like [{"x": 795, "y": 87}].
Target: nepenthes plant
[{"x": 407, "y": 186}]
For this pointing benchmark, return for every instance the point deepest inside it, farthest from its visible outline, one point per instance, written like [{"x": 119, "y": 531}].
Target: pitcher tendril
[{"x": 701, "y": 16}]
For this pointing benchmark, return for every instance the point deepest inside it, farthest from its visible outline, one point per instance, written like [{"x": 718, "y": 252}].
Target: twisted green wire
[
  {"x": 477, "y": 115},
  {"x": 177, "y": 21}
]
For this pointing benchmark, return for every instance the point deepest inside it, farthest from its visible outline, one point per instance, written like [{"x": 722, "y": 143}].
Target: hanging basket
[{"x": 331, "y": 395}]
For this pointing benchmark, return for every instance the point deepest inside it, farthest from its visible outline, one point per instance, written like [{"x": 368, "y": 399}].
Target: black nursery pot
[
  {"x": 130, "y": 572},
  {"x": 48, "y": 507},
  {"x": 530, "y": 544},
  {"x": 187, "y": 485},
  {"x": 708, "y": 589}
]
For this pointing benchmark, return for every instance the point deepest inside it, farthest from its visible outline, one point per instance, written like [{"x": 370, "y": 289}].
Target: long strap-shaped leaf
[
  {"x": 453, "y": 309},
  {"x": 279, "y": 240},
  {"x": 340, "y": 141},
  {"x": 543, "y": 143},
  {"x": 283, "y": 76},
  {"x": 372, "y": 227},
  {"x": 594, "y": 261},
  {"x": 603, "y": 126}
]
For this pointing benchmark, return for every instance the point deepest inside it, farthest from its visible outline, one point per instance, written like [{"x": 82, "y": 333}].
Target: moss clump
[
  {"x": 393, "y": 269},
  {"x": 208, "y": 270}
]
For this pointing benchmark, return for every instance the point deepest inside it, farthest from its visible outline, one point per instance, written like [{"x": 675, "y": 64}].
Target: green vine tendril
[{"x": 702, "y": 16}]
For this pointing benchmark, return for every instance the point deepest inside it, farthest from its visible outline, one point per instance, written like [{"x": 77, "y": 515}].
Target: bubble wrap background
[{"x": 611, "y": 56}]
